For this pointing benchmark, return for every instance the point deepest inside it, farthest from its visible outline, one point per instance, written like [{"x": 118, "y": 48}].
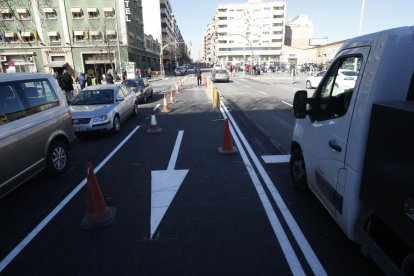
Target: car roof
[
  {"x": 101, "y": 86},
  {"x": 20, "y": 76}
]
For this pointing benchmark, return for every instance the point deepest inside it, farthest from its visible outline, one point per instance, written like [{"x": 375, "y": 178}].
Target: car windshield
[
  {"x": 221, "y": 72},
  {"x": 94, "y": 97},
  {"x": 129, "y": 83},
  {"x": 350, "y": 73}
]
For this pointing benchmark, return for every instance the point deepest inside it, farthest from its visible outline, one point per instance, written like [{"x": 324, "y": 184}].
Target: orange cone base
[
  {"x": 154, "y": 130},
  {"x": 165, "y": 110},
  {"x": 91, "y": 223},
  {"x": 227, "y": 151}
]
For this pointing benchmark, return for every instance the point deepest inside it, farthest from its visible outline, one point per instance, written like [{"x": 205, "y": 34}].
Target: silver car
[
  {"x": 102, "y": 107},
  {"x": 220, "y": 75},
  {"x": 35, "y": 128}
]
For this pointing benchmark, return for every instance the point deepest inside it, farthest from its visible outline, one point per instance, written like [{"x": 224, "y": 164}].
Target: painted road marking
[
  {"x": 264, "y": 93},
  {"x": 9, "y": 258},
  {"x": 247, "y": 86},
  {"x": 287, "y": 103},
  {"x": 280, "y": 234},
  {"x": 155, "y": 108},
  {"x": 164, "y": 187},
  {"x": 271, "y": 159}
]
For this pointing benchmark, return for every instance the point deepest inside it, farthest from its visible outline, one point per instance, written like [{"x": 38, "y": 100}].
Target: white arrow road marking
[
  {"x": 268, "y": 159},
  {"x": 287, "y": 103},
  {"x": 164, "y": 186}
]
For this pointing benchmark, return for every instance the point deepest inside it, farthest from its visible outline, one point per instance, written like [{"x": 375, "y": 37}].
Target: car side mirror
[
  {"x": 299, "y": 104},
  {"x": 120, "y": 99}
]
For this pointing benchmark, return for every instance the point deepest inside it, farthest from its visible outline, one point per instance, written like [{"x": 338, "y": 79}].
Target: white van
[
  {"x": 335, "y": 145},
  {"x": 36, "y": 129}
]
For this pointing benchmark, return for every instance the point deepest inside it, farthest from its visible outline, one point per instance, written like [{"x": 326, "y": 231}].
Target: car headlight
[{"x": 100, "y": 118}]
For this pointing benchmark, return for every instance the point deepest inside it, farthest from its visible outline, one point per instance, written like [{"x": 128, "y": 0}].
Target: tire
[
  {"x": 144, "y": 99},
  {"x": 135, "y": 112},
  {"x": 308, "y": 85},
  {"x": 116, "y": 124},
  {"x": 298, "y": 170},
  {"x": 57, "y": 158}
]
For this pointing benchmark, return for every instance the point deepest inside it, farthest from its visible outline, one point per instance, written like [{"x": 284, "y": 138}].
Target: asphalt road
[{"x": 182, "y": 208}]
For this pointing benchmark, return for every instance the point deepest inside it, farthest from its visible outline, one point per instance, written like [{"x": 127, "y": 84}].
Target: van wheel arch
[{"x": 298, "y": 168}]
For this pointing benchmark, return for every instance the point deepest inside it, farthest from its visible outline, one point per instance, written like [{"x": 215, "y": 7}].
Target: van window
[
  {"x": 23, "y": 98},
  {"x": 334, "y": 96}
]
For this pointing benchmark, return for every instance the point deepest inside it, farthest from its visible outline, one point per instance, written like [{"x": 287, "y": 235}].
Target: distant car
[
  {"x": 220, "y": 75},
  {"x": 217, "y": 66},
  {"x": 313, "y": 81},
  {"x": 346, "y": 79},
  {"x": 102, "y": 107},
  {"x": 141, "y": 87},
  {"x": 180, "y": 71}
]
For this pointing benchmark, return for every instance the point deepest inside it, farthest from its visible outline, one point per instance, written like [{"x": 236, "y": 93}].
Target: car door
[
  {"x": 327, "y": 129},
  {"x": 129, "y": 97},
  {"x": 122, "y": 105}
]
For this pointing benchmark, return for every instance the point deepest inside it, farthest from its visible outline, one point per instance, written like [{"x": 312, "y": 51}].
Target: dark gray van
[{"x": 36, "y": 131}]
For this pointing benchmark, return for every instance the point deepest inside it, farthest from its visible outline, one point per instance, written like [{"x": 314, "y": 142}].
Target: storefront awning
[
  {"x": 76, "y": 10},
  {"x": 56, "y": 64},
  {"x": 108, "y": 9},
  {"x": 110, "y": 32},
  {"x": 9, "y": 34},
  {"x": 49, "y": 10},
  {"x": 26, "y": 34},
  {"x": 5, "y": 11},
  {"x": 21, "y": 10},
  {"x": 94, "y": 32},
  {"x": 52, "y": 33},
  {"x": 92, "y": 10},
  {"x": 78, "y": 32}
]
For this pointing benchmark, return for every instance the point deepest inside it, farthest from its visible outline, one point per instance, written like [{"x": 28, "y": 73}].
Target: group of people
[{"x": 66, "y": 82}]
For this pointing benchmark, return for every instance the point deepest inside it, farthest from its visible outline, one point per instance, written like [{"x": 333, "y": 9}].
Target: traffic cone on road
[
  {"x": 165, "y": 108},
  {"x": 154, "y": 126},
  {"x": 98, "y": 215},
  {"x": 177, "y": 88},
  {"x": 227, "y": 146},
  {"x": 172, "y": 97}
]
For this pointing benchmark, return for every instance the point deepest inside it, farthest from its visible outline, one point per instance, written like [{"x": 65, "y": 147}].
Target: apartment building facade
[
  {"x": 251, "y": 32},
  {"x": 94, "y": 36}
]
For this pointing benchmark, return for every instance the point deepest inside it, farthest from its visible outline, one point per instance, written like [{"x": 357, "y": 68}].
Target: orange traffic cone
[
  {"x": 177, "y": 88},
  {"x": 154, "y": 126},
  {"x": 172, "y": 96},
  {"x": 227, "y": 146},
  {"x": 165, "y": 108},
  {"x": 98, "y": 215}
]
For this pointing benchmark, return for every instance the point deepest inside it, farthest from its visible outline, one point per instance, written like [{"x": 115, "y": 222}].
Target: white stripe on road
[
  {"x": 264, "y": 93},
  {"x": 297, "y": 233},
  {"x": 287, "y": 103},
  {"x": 271, "y": 159},
  {"x": 247, "y": 86},
  {"x": 9, "y": 258}
]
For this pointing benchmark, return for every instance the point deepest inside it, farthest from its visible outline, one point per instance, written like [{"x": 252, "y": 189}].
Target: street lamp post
[{"x": 251, "y": 48}]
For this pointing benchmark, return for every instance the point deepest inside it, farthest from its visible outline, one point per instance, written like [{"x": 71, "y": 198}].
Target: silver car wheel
[
  {"x": 59, "y": 158},
  {"x": 116, "y": 124}
]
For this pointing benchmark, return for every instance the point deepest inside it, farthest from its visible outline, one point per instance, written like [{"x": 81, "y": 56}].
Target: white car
[
  {"x": 313, "y": 81},
  {"x": 217, "y": 66},
  {"x": 346, "y": 79}
]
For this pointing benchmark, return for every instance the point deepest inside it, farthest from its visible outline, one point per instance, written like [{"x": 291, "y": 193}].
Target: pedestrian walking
[
  {"x": 67, "y": 85},
  {"x": 82, "y": 80},
  {"x": 293, "y": 72},
  {"x": 109, "y": 78},
  {"x": 149, "y": 72},
  {"x": 198, "y": 75}
]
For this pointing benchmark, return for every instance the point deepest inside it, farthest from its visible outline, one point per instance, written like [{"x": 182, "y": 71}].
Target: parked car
[
  {"x": 180, "y": 71},
  {"x": 346, "y": 79},
  {"x": 220, "y": 75},
  {"x": 35, "y": 128},
  {"x": 102, "y": 107},
  {"x": 313, "y": 81},
  {"x": 141, "y": 87}
]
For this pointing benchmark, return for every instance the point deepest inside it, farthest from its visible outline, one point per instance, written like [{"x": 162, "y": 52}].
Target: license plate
[{"x": 79, "y": 128}]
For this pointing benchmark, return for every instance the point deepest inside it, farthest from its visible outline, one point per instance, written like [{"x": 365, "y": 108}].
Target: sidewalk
[{"x": 272, "y": 78}]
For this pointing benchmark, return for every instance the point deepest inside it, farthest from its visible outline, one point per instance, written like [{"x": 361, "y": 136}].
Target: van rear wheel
[
  {"x": 298, "y": 170},
  {"x": 57, "y": 158}
]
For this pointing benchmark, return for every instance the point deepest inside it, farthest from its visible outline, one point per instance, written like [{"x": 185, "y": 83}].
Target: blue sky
[{"x": 334, "y": 19}]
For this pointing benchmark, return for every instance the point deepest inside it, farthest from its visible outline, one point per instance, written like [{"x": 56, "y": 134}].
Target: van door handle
[{"x": 335, "y": 146}]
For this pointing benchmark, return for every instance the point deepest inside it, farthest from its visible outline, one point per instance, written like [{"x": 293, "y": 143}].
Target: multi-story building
[
  {"x": 92, "y": 36},
  {"x": 251, "y": 32},
  {"x": 210, "y": 38},
  {"x": 160, "y": 22},
  {"x": 299, "y": 32}
]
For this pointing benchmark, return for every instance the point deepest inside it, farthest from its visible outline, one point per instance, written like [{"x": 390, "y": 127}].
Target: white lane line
[
  {"x": 9, "y": 258},
  {"x": 278, "y": 230},
  {"x": 264, "y": 93},
  {"x": 287, "y": 103},
  {"x": 247, "y": 86},
  {"x": 174, "y": 155},
  {"x": 155, "y": 108},
  {"x": 271, "y": 159},
  {"x": 297, "y": 233}
]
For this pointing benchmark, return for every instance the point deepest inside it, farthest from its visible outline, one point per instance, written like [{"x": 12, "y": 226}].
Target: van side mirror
[{"x": 299, "y": 104}]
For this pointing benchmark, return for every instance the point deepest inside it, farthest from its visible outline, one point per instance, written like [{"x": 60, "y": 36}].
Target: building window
[
  {"x": 265, "y": 33},
  {"x": 109, "y": 12},
  {"x": 11, "y": 37},
  {"x": 79, "y": 36},
  {"x": 23, "y": 14},
  {"x": 222, "y": 10},
  {"x": 222, "y": 41},
  {"x": 111, "y": 35},
  {"x": 278, "y": 8},
  {"x": 266, "y": 8},
  {"x": 277, "y": 32},
  {"x": 77, "y": 13},
  {"x": 27, "y": 37},
  {"x": 276, "y": 40},
  {"x": 277, "y": 16},
  {"x": 6, "y": 14},
  {"x": 54, "y": 37},
  {"x": 93, "y": 13},
  {"x": 222, "y": 18},
  {"x": 222, "y": 26},
  {"x": 50, "y": 13},
  {"x": 96, "y": 35},
  {"x": 277, "y": 24}
]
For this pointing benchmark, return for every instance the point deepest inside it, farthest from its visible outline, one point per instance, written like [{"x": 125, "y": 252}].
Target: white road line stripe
[
  {"x": 248, "y": 86},
  {"x": 9, "y": 258},
  {"x": 174, "y": 155},
  {"x": 264, "y": 93},
  {"x": 271, "y": 159},
  {"x": 280, "y": 234},
  {"x": 303, "y": 244},
  {"x": 287, "y": 103}
]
